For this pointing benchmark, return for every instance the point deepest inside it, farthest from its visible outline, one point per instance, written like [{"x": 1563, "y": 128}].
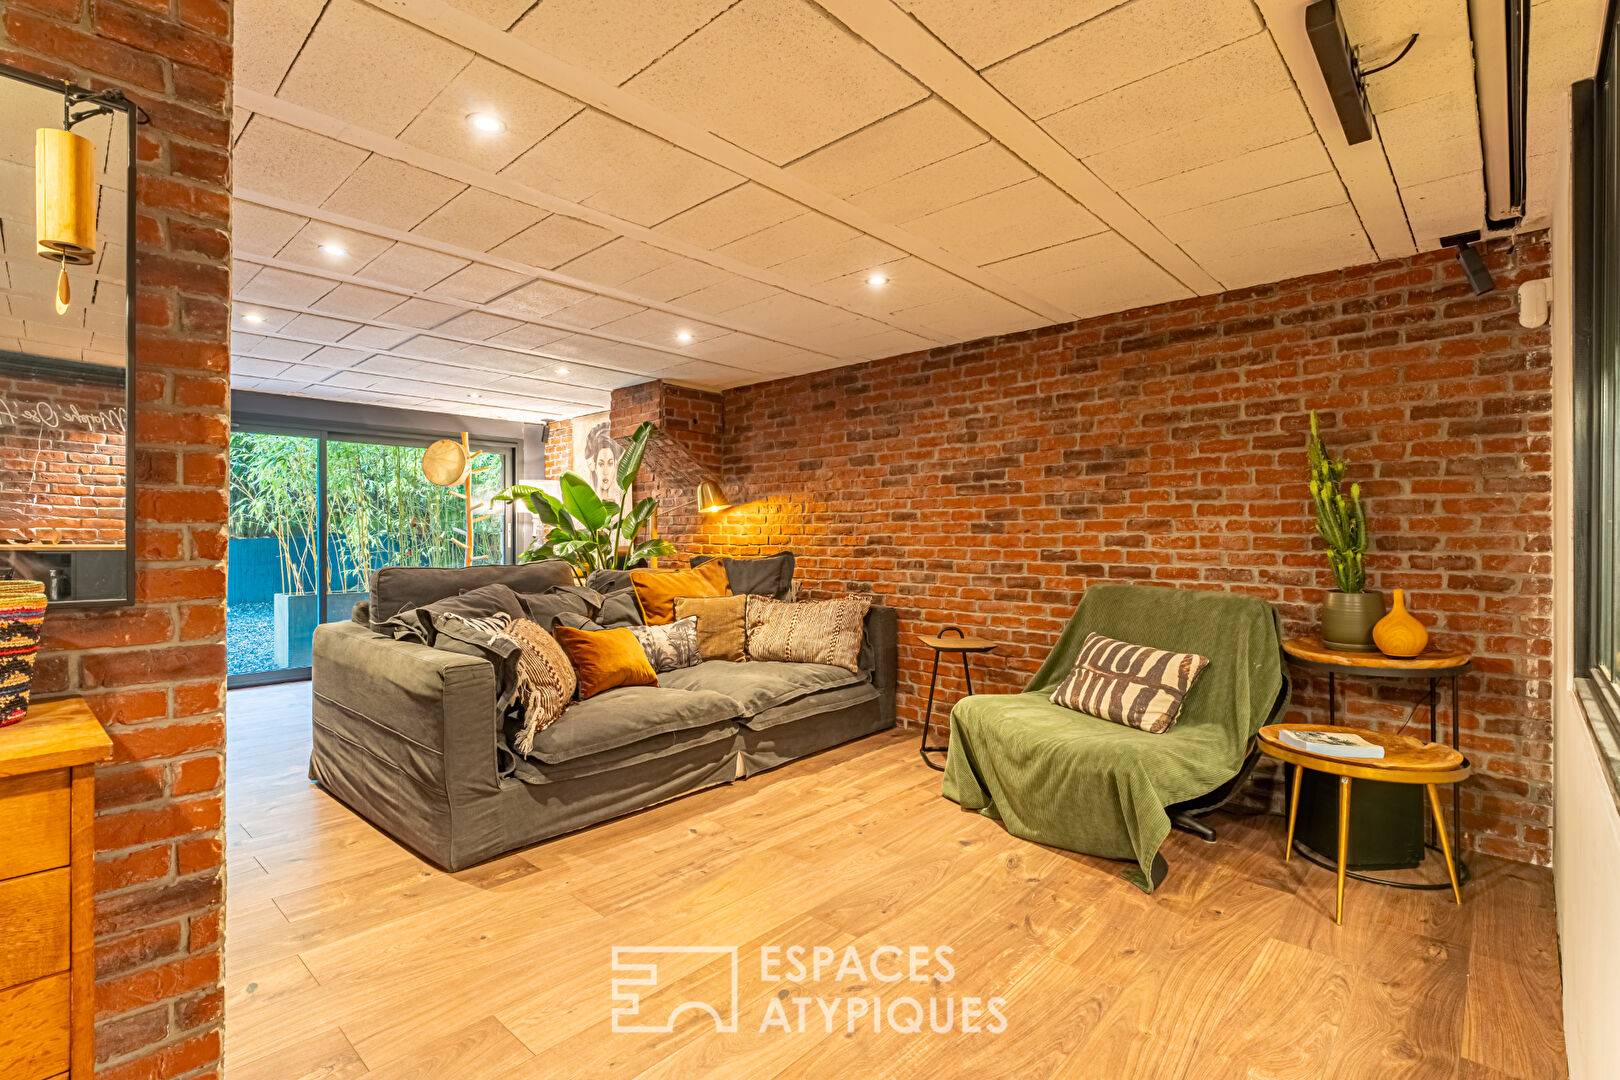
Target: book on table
[{"x": 1341, "y": 744}]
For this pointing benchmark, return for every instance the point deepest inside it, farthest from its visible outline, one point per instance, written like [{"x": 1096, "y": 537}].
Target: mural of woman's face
[{"x": 602, "y": 467}]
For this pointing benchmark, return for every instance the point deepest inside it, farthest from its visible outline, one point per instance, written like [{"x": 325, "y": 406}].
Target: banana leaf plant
[{"x": 585, "y": 531}]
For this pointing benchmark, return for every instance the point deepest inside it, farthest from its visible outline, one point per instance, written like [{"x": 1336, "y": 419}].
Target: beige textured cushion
[
  {"x": 1133, "y": 685},
  {"x": 546, "y": 680},
  {"x": 808, "y": 632},
  {"x": 719, "y": 624}
]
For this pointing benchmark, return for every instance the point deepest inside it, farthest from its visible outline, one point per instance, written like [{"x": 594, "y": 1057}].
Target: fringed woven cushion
[
  {"x": 808, "y": 632},
  {"x": 1133, "y": 685},
  {"x": 545, "y": 680}
]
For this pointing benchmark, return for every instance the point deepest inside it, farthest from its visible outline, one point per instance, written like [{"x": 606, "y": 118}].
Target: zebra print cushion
[{"x": 1129, "y": 684}]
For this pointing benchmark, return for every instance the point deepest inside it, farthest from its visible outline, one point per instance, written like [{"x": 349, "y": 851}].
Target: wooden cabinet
[{"x": 47, "y": 892}]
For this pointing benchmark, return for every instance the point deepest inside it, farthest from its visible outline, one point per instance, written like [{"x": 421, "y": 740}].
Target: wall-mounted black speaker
[{"x": 1338, "y": 63}]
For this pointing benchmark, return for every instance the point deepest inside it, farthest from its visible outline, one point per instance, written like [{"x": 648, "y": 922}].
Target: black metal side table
[
  {"x": 963, "y": 644},
  {"x": 1434, "y": 663}
]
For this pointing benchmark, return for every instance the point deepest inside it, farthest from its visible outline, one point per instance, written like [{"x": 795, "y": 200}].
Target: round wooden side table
[
  {"x": 1406, "y": 761},
  {"x": 1437, "y": 661},
  {"x": 941, "y": 643}
]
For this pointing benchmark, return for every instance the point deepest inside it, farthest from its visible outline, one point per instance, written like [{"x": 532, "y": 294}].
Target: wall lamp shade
[{"x": 711, "y": 498}]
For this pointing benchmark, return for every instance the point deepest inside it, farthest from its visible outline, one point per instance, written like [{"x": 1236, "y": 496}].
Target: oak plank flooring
[{"x": 349, "y": 958}]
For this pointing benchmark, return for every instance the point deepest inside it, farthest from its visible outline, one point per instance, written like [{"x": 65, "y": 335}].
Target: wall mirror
[{"x": 67, "y": 342}]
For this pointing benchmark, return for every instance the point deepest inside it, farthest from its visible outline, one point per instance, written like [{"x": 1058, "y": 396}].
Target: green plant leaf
[
  {"x": 635, "y": 449},
  {"x": 651, "y": 549},
  {"x": 580, "y": 500},
  {"x": 637, "y": 518}
]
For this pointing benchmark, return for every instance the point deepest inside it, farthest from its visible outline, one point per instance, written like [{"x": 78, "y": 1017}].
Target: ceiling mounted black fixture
[
  {"x": 1472, "y": 263},
  {"x": 1339, "y": 69}
]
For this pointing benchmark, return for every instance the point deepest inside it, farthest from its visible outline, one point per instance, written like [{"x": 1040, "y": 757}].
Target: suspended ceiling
[{"x": 703, "y": 191}]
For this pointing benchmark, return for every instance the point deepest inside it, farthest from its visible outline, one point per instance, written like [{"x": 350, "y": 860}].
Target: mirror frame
[{"x": 115, "y": 100}]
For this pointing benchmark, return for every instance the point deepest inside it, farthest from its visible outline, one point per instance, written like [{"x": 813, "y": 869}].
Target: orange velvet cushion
[
  {"x": 656, "y": 590},
  {"x": 604, "y": 659}
]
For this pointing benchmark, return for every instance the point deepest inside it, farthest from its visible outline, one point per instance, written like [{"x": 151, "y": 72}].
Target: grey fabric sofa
[{"x": 411, "y": 738}]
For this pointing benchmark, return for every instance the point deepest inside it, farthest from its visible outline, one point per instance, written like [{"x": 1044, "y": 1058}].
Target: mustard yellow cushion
[
  {"x": 604, "y": 659},
  {"x": 719, "y": 624},
  {"x": 656, "y": 590}
]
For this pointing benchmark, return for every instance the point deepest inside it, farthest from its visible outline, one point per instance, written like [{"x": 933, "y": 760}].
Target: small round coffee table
[
  {"x": 942, "y": 643},
  {"x": 1406, "y": 761}
]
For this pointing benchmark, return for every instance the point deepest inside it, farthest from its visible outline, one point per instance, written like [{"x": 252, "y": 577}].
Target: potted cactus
[{"x": 1349, "y": 612}]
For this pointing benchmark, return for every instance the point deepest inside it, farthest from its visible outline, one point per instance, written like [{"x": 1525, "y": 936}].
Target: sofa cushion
[
  {"x": 605, "y": 659},
  {"x": 813, "y": 632},
  {"x": 769, "y": 575},
  {"x": 719, "y": 624},
  {"x": 627, "y": 715},
  {"x": 656, "y": 590},
  {"x": 395, "y": 588},
  {"x": 544, "y": 608},
  {"x": 815, "y": 704},
  {"x": 757, "y": 686},
  {"x": 670, "y": 646}
]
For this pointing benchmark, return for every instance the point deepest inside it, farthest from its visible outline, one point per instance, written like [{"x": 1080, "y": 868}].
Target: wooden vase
[{"x": 1398, "y": 633}]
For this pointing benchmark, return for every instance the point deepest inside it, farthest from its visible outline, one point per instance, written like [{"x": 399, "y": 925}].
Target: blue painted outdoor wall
[{"x": 254, "y": 574}]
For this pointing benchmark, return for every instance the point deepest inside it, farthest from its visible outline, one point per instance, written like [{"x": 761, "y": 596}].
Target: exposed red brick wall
[
  {"x": 693, "y": 419},
  {"x": 559, "y": 448},
  {"x": 988, "y": 484},
  {"x": 61, "y": 455},
  {"x": 154, "y": 672}
]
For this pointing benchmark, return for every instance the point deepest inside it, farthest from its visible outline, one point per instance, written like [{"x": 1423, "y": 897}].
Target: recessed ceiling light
[
  {"x": 684, "y": 336},
  {"x": 485, "y": 122},
  {"x": 473, "y": 395},
  {"x": 876, "y": 279},
  {"x": 253, "y": 318},
  {"x": 334, "y": 249},
  {"x": 562, "y": 371}
]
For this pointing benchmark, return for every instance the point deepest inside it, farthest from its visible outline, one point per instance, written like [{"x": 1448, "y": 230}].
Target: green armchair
[{"x": 1060, "y": 777}]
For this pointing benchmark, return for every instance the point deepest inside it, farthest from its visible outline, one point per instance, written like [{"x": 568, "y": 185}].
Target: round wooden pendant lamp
[
  {"x": 446, "y": 462},
  {"x": 64, "y": 203}
]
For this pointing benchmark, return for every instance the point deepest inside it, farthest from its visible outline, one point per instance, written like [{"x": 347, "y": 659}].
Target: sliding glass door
[{"x": 313, "y": 514}]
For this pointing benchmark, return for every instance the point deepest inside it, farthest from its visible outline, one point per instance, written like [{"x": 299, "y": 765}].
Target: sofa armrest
[
  {"x": 883, "y": 635},
  {"x": 403, "y": 727}
]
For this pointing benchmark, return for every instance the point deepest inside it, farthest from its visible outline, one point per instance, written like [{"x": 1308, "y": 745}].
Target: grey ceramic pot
[{"x": 1348, "y": 620}]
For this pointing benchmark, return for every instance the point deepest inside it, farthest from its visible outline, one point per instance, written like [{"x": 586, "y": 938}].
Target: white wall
[{"x": 1586, "y": 834}]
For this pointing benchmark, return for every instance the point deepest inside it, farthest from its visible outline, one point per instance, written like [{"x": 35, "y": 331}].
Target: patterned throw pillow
[
  {"x": 545, "y": 680},
  {"x": 808, "y": 632},
  {"x": 1129, "y": 684},
  {"x": 671, "y": 645}
]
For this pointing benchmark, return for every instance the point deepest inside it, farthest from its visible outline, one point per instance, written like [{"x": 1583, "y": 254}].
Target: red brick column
[{"x": 154, "y": 672}]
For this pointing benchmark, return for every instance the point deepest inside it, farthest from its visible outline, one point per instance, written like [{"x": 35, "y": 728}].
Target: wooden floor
[{"x": 347, "y": 957}]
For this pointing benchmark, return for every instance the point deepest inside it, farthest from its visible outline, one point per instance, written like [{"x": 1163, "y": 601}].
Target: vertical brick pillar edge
[{"x": 154, "y": 672}]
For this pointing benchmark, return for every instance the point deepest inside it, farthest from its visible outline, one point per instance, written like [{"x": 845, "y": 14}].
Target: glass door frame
[{"x": 360, "y": 433}]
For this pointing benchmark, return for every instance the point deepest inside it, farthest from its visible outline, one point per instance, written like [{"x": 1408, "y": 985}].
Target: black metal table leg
[
  {"x": 1456, "y": 791},
  {"x": 924, "y": 750},
  {"x": 1434, "y": 826}
]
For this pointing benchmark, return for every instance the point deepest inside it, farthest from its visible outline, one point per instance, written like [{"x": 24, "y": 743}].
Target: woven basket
[{"x": 22, "y": 613}]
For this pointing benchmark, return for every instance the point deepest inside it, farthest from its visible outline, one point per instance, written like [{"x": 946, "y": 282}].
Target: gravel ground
[{"x": 250, "y": 637}]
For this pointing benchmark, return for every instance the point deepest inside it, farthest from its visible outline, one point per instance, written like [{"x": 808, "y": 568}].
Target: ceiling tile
[
  {"x": 420, "y": 313},
  {"x": 1246, "y": 70},
  {"x": 347, "y": 250},
  {"x": 320, "y": 328},
  {"x": 273, "y": 286},
  {"x": 479, "y": 284},
  {"x": 260, "y": 230},
  {"x": 1000, "y": 224},
  {"x": 391, "y": 193},
  {"x": 479, "y": 220},
  {"x": 356, "y": 301},
  {"x": 731, "y": 215},
  {"x": 1306, "y": 243},
  {"x": 529, "y": 111},
  {"x": 1268, "y": 166},
  {"x": 1444, "y": 207},
  {"x": 860, "y": 254},
  {"x": 606, "y": 164},
  {"x": 369, "y": 68},
  {"x": 1432, "y": 139},
  {"x": 267, "y": 36},
  {"x": 593, "y": 312},
  {"x": 497, "y": 13},
  {"x": 613, "y": 39},
  {"x": 538, "y": 300},
  {"x": 429, "y": 348},
  {"x": 275, "y": 349},
  {"x": 987, "y": 167},
  {"x": 478, "y": 325},
  {"x": 911, "y": 138},
  {"x": 821, "y": 81},
  {"x": 376, "y": 337},
  {"x": 528, "y": 336},
  {"x": 1121, "y": 45},
  {"x": 676, "y": 278},
  {"x": 552, "y": 241},
  {"x": 984, "y": 31},
  {"x": 412, "y": 267},
  {"x": 728, "y": 295},
  {"x": 617, "y": 262},
  {"x": 808, "y": 232},
  {"x": 1227, "y": 133},
  {"x": 292, "y": 163}
]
